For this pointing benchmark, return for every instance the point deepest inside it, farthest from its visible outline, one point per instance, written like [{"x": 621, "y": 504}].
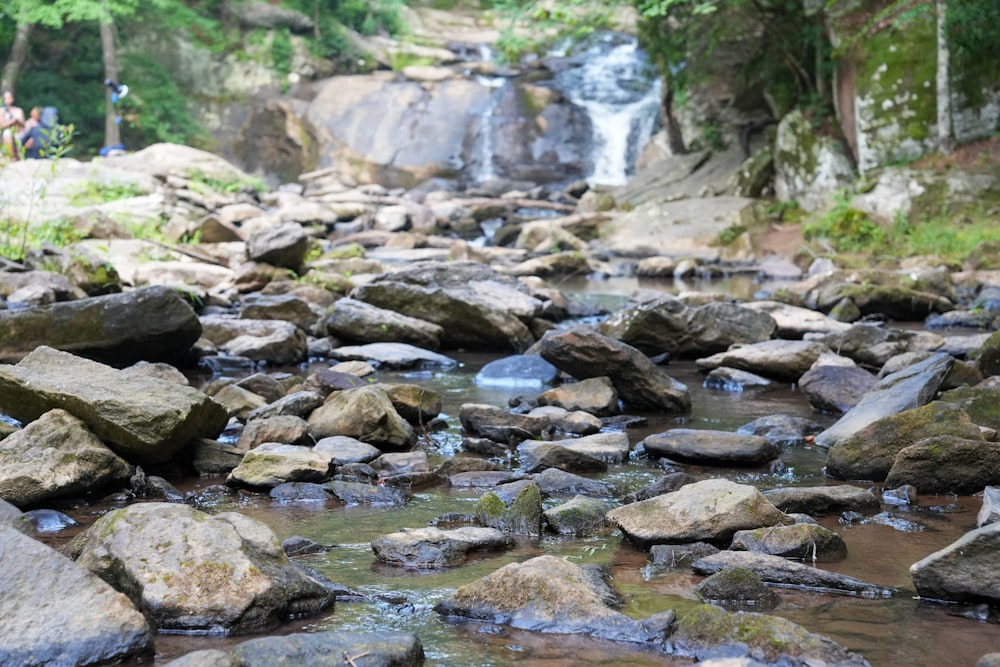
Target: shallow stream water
[{"x": 896, "y": 631}]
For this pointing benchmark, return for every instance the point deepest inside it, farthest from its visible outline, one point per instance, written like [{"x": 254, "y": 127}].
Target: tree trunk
[
  {"x": 112, "y": 135},
  {"x": 946, "y": 137},
  {"x": 18, "y": 53},
  {"x": 675, "y": 139}
]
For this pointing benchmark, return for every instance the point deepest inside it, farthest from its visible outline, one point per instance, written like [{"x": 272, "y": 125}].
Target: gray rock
[
  {"x": 188, "y": 571},
  {"x": 556, "y": 482},
  {"x": 342, "y": 449},
  {"x": 835, "y": 389},
  {"x": 415, "y": 403},
  {"x": 500, "y": 425},
  {"x": 909, "y": 388},
  {"x": 210, "y": 657},
  {"x": 803, "y": 541},
  {"x": 680, "y": 555},
  {"x": 872, "y": 345},
  {"x": 12, "y": 517},
  {"x": 238, "y": 402},
  {"x": 711, "y": 447},
  {"x": 779, "y": 359},
  {"x": 483, "y": 479},
  {"x": 710, "y": 511},
  {"x": 990, "y": 511},
  {"x": 284, "y": 246},
  {"x": 393, "y": 356},
  {"x": 274, "y": 463},
  {"x": 778, "y": 570},
  {"x": 215, "y": 458},
  {"x": 734, "y": 380},
  {"x": 357, "y": 493},
  {"x": 596, "y": 396},
  {"x": 56, "y": 456},
  {"x": 580, "y": 516},
  {"x": 610, "y": 447},
  {"x": 869, "y": 453},
  {"x": 69, "y": 632},
  {"x": 327, "y": 649},
  {"x": 299, "y": 492},
  {"x": 144, "y": 420},
  {"x": 521, "y": 515},
  {"x": 401, "y": 462},
  {"x": 584, "y": 353},
  {"x": 964, "y": 571},
  {"x": 279, "y": 343},
  {"x": 736, "y": 586},
  {"x": 359, "y": 322},
  {"x": 668, "y": 325},
  {"x": 150, "y": 323},
  {"x": 543, "y": 594},
  {"x": 263, "y": 15},
  {"x": 822, "y": 499},
  {"x": 516, "y": 372},
  {"x": 536, "y": 456},
  {"x": 285, "y": 307},
  {"x": 285, "y": 429},
  {"x": 298, "y": 404},
  {"x": 794, "y": 322},
  {"x": 477, "y": 308},
  {"x": 665, "y": 484},
  {"x": 989, "y": 660},
  {"x": 946, "y": 464},
  {"x": 782, "y": 430},
  {"x": 428, "y": 548},
  {"x": 365, "y": 413}
]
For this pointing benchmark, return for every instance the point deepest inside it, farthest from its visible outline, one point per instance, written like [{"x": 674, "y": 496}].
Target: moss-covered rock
[
  {"x": 737, "y": 586},
  {"x": 523, "y": 516},
  {"x": 809, "y": 167}
]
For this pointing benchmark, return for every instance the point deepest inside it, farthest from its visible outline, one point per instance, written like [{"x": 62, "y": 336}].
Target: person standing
[{"x": 11, "y": 124}]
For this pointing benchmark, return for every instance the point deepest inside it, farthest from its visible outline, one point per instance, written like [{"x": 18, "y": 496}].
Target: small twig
[{"x": 349, "y": 659}]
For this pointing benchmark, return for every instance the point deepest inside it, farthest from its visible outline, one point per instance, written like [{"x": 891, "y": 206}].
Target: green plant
[
  {"x": 282, "y": 53},
  {"x": 87, "y": 193},
  {"x": 231, "y": 185}
]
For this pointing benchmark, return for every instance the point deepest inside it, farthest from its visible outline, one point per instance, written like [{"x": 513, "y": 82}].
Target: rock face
[
  {"x": 56, "y": 456},
  {"x": 668, "y": 325},
  {"x": 584, "y": 353},
  {"x": 707, "y": 511},
  {"x": 475, "y": 307},
  {"x": 428, "y": 548},
  {"x": 143, "y": 419},
  {"x": 964, "y": 571},
  {"x": 69, "y": 632},
  {"x": 151, "y": 323},
  {"x": 909, "y": 388},
  {"x": 808, "y": 168},
  {"x": 327, "y": 649},
  {"x": 188, "y": 571},
  {"x": 711, "y": 447},
  {"x": 544, "y": 594}
]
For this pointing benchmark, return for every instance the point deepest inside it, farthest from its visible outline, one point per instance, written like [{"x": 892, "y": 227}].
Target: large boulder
[
  {"x": 143, "y": 419},
  {"x": 779, "y": 359},
  {"x": 909, "y": 388},
  {"x": 366, "y": 414},
  {"x": 328, "y": 649},
  {"x": 545, "y": 594},
  {"x": 191, "y": 572},
  {"x": 53, "y": 612},
  {"x": 272, "y": 463},
  {"x": 870, "y": 452},
  {"x": 711, "y": 447},
  {"x": 475, "y": 307},
  {"x": 946, "y": 464},
  {"x": 808, "y": 167},
  {"x": 835, "y": 389},
  {"x": 964, "y": 571},
  {"x": 360, "y": 322},
  {"x": 668, "y": 325},
  {"x": 711, "y": 511},
  {"x": 585, "y": 353},
  {"x": 56, "y": 456},
  {"x": 151, "y": 323},
  {"x": 284, "y": 245},
  {"x": 794, "y": 322},
  {"x": 536, "y": 455}
]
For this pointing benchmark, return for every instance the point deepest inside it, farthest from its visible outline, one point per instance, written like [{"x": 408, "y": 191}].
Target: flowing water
[
  {"x": 620, "y": 90},
  {"x": 896, "y": 631}
]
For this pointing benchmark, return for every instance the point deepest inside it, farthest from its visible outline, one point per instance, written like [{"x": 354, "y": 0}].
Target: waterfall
[
  {"x": 482, "y": 165},
  {"x": 620, "y": 91}
]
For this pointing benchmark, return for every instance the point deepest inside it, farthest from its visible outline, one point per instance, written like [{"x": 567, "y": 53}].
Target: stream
[{"x": 896, "y": 631}]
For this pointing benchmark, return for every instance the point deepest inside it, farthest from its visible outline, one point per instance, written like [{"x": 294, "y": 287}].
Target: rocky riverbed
[{"x": 320, "y": 323}]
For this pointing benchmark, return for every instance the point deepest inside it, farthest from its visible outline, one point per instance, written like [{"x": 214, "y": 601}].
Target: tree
[{"x": 18, "y": 52}]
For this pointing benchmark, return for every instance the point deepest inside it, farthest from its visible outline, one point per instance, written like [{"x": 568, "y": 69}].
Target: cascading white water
[
  {"x": 620, "y": 92},
  {"x": 482, "y": 167}
]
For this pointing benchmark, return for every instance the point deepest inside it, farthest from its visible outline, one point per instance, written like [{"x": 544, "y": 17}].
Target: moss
[{"x": 489, "y": 508}]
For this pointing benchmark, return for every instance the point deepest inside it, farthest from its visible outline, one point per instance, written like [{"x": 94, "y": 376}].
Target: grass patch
[{"x": 93, "y": 192}]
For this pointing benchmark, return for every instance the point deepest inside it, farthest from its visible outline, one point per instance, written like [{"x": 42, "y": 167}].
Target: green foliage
[
  {"x": 281, "y": 55},
  {"x": 204, "y": 182},
  {"x": 535, "y": 25},
  {"x": 155, "y": 109},
  {"x": 87, "y": 193}
]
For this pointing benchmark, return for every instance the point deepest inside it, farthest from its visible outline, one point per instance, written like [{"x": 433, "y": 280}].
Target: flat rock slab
[
  {"x": 429, "y": 548},
  {"x": 708, "y": 511},
  {"x": 274, "y": 463},
  {"x": 822, "y": 499},
  {"x": 393, "y": 355},
  {"x": 152, "y": 323},
  {"x": 327, "y": 649},
  {"x": 69, "y": 632},
  {"x": 964, "y": 571},
  {"x": 780, "y": 359},
  {"x": 805, "y": 541},
  {"x": 143, "y": 419},
  {"x": 778, "y": 570},
  {"x": 711, "y": 447}
]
